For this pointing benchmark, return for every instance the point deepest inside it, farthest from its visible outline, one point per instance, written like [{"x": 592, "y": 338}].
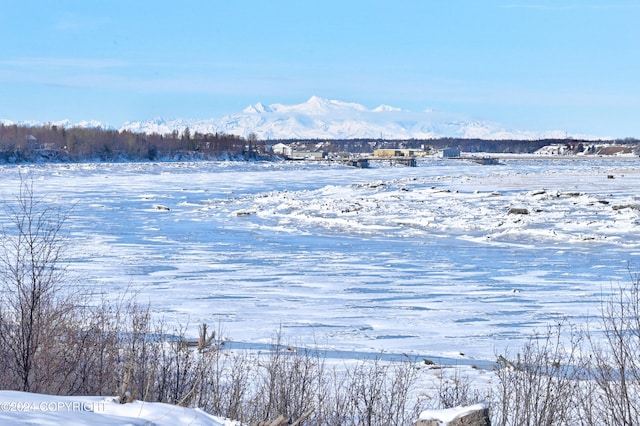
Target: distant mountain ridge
[{"x": 320, "y": 118}]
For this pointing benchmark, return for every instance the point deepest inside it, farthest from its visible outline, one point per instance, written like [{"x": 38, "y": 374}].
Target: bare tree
[{"x": 32, "y": 304}]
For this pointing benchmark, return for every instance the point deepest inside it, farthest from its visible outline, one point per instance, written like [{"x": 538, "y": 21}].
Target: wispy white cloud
[
  {"x": 84, "y": 63},
  {"x": 574, "y": 6},
  {"x": 73, "y": 22},
  {"x": 537, "y": 7}
]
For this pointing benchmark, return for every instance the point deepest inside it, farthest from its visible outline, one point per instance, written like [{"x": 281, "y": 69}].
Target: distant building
[
  {"x": 387, "y": 152},
  {"x": 44, "y": 149},
  {"x": 451, "y": 152},
  {"x": 282, "y": 149},
  {"x": 307, "y": 155}
]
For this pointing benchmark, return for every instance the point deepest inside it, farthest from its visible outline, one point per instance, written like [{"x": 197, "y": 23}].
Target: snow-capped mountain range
[{"x": 320, "y": 118}]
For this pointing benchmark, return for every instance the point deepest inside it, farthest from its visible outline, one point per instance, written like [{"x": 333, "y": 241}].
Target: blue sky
[{"x": 529, "y": 64}]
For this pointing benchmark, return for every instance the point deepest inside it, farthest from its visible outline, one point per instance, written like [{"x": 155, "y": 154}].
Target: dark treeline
[
  {"x": 52, "y": 143},
  {"x": 512, "y": 146}
]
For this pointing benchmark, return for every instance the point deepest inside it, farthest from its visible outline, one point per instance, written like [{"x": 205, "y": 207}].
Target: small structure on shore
[
  {"x": 451, "y": 152},
  {"x": 486, "y": 161},
  {"x": 361, "y": 163}
]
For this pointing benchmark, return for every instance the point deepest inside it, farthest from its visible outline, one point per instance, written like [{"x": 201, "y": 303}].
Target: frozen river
[{"x": 424, "y": 260}]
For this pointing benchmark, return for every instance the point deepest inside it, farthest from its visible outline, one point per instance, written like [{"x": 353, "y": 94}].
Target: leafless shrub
[
  {"x": 226, "y": 383},
  {"x": 457, "y": 390},
  {"x": 613, "y": 362},
  {"x": 539, "y": 386},
  {"x": 366, "y": 388},
  {"x": 370, "y": 392},
  {"x": 588, "y": 377},
  {"x": 287, "y": 382}
]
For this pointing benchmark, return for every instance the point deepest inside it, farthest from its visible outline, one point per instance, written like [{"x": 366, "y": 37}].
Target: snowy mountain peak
[
  {"x": 317, "y": 100},
  {"x": 92, "y": 124},
  {"x": 317, "y": 105},
  {"x": 257, "y": 108},
  {"x": 65, "y": 124},
  {"x": 386, "y": 108}
]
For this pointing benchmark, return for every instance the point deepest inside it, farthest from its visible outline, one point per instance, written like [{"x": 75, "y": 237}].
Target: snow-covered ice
[{"x": 426, "y": 261}]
